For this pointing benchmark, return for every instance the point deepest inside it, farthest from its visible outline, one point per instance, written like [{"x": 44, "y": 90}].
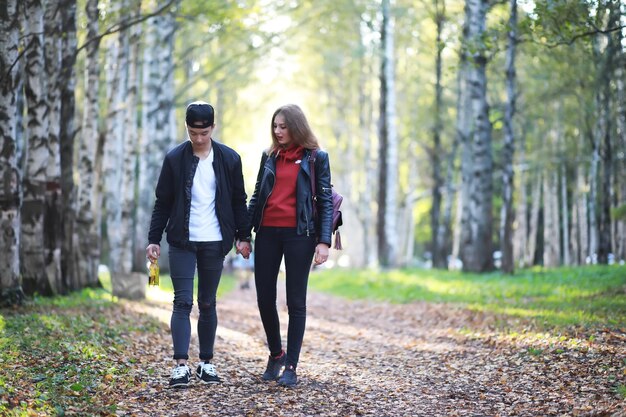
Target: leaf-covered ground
[{"x": 364, "y": 358}]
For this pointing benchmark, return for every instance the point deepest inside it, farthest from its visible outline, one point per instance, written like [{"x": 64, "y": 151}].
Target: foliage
[
  {"x": 588, "y": 296},
  {"x": 71, "y": 349}
]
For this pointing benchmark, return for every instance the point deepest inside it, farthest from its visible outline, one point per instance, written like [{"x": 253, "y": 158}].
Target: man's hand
[
  {"x": 153, "y": 251},
  {"x": 244, "y": 248}
]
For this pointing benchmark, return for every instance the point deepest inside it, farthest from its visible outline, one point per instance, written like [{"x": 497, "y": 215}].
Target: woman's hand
[
  {"x": 153, "y": 251},
  {"x": 321, "y": 253}
]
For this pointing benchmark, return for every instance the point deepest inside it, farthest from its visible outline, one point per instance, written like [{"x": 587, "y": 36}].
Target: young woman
[{"x": 281, "y": 213}]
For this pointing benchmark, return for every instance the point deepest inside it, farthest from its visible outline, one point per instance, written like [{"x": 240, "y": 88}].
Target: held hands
[
  {"x": 244, "y": 248},
  {"x": 321, "y": 253},
  {"x": 153, "y": 251}
]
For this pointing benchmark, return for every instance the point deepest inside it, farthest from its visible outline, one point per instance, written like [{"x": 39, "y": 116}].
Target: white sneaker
[
  {"x": 206, "y": 373},
  {"x": 181, "y": 375}
]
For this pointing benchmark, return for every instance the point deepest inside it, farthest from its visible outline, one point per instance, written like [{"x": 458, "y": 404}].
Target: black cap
[{"x": 200, "y": 115}]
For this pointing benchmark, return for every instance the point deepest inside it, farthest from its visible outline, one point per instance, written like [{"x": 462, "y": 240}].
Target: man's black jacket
[{"x": 173, "y": 196}]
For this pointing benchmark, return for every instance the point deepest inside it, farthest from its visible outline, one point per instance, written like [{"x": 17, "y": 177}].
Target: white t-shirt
[{"x": 203, "y": 224}]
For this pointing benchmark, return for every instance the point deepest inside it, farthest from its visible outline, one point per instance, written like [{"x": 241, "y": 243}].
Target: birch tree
[
  {"x": 53, "y": 211},
  {"x": 388, "y": 146},
  {"x": 477, "y": 163},
  {"x": 158, "y": 131},
  {"x": 439, "y": 252},
  {"x": 67, "y": 83},
  {"x": 35, "y": 278},
  {"x": 130, "y": 145},
  {"x": 506, "y": 217},
  {"x": 88, "y": 225},
  {"x": 113, "y": 182},
  {"x": 10, "y": 187}
]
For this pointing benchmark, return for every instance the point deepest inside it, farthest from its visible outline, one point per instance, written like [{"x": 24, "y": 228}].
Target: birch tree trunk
[
  {"x": 87, "y": 224},
  {"x": 53, "y": 220},
  {"x": 592, "y": 206},
  {"x": 439, "y": 252},
  {"x": 463, "y": 115},
  {"x": 444, "y": 232},
  {"x": 388, "y": 152},
  {"x": 620, "y": 185},
  {"x": 520, "y": 234},
  {"x": 565, "y": 216},
  {"x": 11, "y": 292},
  {"x": 534, "y": 222},
  {"x": 551, "y": 243},
  {"x": 158, "y": 131},
  {"x": 582, "y": 218},
  {"x": 366, "y": 109},
  {"x": 33, "y": 207},
  {"x": 67, "y": 83},
  {"x": 508, "y": 151},
  {"x": 477, "y": 164},
  {"x": 130, "y": 147},
  {"x": 117, "y": 65}
]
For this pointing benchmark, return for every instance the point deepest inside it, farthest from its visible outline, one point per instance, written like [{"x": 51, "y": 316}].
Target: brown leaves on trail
[
  {"x": 376, "y": 359},
  {"x": 358, "y": 359}
]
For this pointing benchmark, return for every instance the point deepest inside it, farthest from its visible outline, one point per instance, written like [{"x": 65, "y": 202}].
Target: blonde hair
[{"x": 298, "y": 127}]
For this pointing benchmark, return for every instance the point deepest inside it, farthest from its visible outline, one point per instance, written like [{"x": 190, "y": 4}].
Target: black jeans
[
  {"x": 271, "y": 244},
  {"x": 208, "y": 257}
]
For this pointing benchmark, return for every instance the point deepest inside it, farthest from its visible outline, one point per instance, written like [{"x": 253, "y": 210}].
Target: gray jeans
[{"x": 209, "y": 260}]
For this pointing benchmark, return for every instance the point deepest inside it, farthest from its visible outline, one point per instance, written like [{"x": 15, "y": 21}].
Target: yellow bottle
[{"x": 153, "y": 273}]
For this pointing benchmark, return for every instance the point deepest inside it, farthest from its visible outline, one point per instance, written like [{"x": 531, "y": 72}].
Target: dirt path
[{"x": 376, "y": 359}]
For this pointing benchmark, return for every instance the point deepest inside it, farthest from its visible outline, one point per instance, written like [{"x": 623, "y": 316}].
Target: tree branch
[{"x": 123, "y": 25}]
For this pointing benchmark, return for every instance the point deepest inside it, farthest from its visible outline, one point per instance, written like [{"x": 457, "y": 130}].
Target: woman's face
[{"x": 281, "y": 131}]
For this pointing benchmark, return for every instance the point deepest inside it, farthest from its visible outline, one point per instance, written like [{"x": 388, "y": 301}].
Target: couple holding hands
[{"x": 201, "y": 205}]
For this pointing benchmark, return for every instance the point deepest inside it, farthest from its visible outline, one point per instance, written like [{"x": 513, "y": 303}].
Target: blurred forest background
[{"x": 463, "y": 134}]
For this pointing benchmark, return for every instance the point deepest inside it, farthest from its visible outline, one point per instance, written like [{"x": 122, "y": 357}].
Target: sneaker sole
[
  {"x": 180, "y": 385},
  {"x": 208, "y": 382}
]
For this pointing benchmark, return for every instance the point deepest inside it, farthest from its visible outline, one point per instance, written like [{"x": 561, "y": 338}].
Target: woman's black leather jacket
[{"x": 305, "y": 224}]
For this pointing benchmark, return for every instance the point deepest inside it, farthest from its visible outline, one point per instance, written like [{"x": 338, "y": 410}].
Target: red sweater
[{"x": 280, "y": 209}]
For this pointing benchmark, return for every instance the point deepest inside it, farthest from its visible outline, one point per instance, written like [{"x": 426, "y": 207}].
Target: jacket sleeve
[
  {"x": 242, "y": 222},
  {"x": 324, "y": 198},
  {"x": 163, "y": 204},
  {"x": 255, "y": 195}
]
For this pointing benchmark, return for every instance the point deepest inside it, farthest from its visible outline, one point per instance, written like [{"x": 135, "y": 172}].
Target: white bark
[
  {"x": 620, "y": 234},
  {"x": 565, "y": 217},
  {"x": 88, "y": 228},
  {"x": 388, "y": 153},
  {"x": 534, "y": 222},
  {"x": 130, "y": 148},
  {"x": 32, "y": 252},
  {"x": 53, "y": 214},
  {"x": 10, "y": 176},
  {"x": 551, "y": 255},
  {"x": 477, "y": 161},
  {"x": 520, "y": 232},
  {"x": 581, "y": 223},
  {"x": 117, "y": 66},
  {"x": 158, "y": 132},
  {"x": 508, "y": 151}
]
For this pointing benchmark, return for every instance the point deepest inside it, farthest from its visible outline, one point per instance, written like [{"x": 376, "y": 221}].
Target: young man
[{"x": 201, "y": 204}]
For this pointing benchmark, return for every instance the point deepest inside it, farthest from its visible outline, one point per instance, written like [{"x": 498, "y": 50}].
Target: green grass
[
  {"x": 587, "y": 296},
  {"x": 67, "y": 353},
  {"x": 57, "y": 354}
]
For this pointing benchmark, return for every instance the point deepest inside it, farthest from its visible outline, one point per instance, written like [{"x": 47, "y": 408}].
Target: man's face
[{"x": 200, "y": 136}]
